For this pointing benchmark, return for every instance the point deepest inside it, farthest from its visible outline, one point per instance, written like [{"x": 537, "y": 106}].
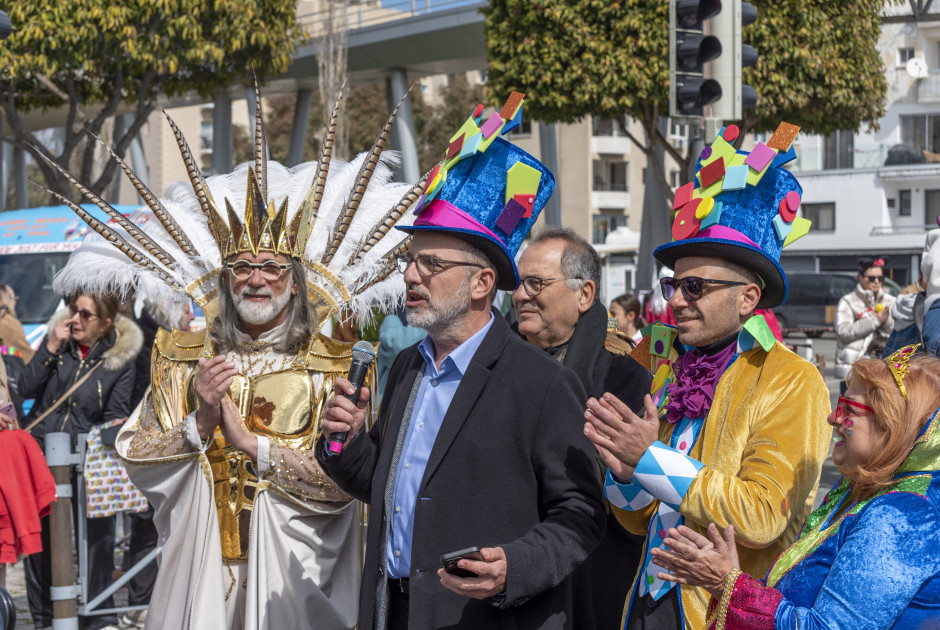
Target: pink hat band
[
  {"x": 443, "y": 214},
  {"x": 726, "y": 233}
]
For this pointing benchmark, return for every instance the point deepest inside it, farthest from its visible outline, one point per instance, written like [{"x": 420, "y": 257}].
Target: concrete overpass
[{"x": 396, "y": 41}]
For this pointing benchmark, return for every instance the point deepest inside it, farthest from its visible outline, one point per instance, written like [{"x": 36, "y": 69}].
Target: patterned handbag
[{"x": 108, "y": 490}]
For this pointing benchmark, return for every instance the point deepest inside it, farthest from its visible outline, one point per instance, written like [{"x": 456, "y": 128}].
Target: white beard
[{"x": 259, "y": 313}]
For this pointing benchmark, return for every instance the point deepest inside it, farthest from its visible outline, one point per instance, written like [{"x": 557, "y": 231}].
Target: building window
[
  {"x": 905, "y": 55},
  {"x": 839, "y": 150},
  {"x": 205, "y": 135},
  {"x": 678, "y": 134},
  {"x": 904, "y": 203},
  {"x": 932, "y": 207},
  {"x": 604, "y": 224},
  {"x": 609, "y": 126},
  {"x": 921, "y": 132},
  {"x": 610, "y": 173},
  {"x": 675, "y": 178},
  {"x": 823, "y": 216},
  {"x": 524, "y": 128}
]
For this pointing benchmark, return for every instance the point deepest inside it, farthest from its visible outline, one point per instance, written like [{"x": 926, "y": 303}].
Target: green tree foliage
[
  {"x": 818, "y": 63},
  {"x": 366, "y": 112},
  {"x": 96, "y": 58}
]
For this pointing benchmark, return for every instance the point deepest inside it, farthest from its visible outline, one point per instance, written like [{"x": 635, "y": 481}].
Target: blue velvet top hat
[
  {"x": 487, "y": 191},
  {"x": 741, "y": 207}
]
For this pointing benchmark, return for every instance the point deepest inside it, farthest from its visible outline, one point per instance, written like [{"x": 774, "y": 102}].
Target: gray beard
[
  {"x": 440, "y": 317},
  {"x": 258, "y": 314}
]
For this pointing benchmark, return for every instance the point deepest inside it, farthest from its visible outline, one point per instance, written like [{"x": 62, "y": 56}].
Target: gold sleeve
[
  {"x": 297, "y": 471},
  {"x": 764, "y": 451},
  {"x": 151, "y": 440}
]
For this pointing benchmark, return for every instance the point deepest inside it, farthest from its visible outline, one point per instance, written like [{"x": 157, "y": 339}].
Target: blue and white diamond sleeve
[
  {"x": 666, "y": 473},
  {"x": 630, "y": 497}
]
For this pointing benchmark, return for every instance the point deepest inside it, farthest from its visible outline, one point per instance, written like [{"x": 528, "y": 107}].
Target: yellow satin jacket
[{"x": 763, "y": 444}]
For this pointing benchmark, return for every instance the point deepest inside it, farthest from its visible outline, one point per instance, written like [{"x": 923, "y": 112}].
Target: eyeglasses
[
  {"x": 533, "y": 284},
  {"x": 270, "y": 269},
  {"x": 874, "y": 278},
  {"x": 692, "y": 286},
  {"x": 429, "y": 265},
  {"x": 843, "y": 410},
  {"x": 83, "y": 314}
]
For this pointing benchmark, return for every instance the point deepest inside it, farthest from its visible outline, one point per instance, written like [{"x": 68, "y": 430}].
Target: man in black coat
[
  {"x": 509, "y": 469},
  {"x": 557, "y": 310}
]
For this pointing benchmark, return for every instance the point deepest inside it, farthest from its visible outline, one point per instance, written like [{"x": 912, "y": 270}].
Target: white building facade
[{"x": 877, "y": 193}]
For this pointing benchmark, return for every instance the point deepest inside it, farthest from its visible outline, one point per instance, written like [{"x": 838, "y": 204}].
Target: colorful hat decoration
[
  {"x": 486, "y": 191},
  {"x": 741, "y": 207}
]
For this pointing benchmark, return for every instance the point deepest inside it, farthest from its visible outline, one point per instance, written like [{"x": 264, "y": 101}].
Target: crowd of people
[{"x": 574, "y": 465}]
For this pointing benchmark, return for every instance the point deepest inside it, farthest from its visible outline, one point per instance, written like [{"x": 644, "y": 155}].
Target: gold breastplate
[{"x": 279, "y": 405}]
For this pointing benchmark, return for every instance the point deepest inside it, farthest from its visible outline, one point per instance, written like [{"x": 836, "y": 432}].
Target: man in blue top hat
[
  {"x": 476, "y": 442},
  {"x": 735, "y": 428}
]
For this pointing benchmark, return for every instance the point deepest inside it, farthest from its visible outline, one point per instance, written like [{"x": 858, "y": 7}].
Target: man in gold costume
[{"x": 252, "y": 533}]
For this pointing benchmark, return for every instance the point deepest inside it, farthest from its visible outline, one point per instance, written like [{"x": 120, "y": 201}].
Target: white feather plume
[{"x": 99, "y": 266}]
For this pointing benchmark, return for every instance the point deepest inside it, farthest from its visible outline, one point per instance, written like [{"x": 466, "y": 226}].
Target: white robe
[{"x": 304, "y": 556}]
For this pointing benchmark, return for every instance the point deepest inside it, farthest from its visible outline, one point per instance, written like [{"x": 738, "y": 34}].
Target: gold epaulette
[
  {"x": 177, "y": 345},
  {"x": 329, "y": 355},
  {"x": 324, "y": 354},
  {"x": 617, "y": 343}
]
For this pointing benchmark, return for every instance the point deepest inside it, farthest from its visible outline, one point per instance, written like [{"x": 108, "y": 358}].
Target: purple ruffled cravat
[{"x": 697, "y": 377}]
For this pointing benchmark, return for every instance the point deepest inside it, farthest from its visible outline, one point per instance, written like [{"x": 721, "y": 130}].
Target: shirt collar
[
  {"x": 462, "y": 354},
  {"x": 274, "y": 335}
]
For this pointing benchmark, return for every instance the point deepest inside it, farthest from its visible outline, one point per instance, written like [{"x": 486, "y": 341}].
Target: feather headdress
[{"x": 332, "y": 216}]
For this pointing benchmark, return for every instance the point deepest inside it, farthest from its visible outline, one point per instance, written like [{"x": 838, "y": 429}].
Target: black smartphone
[{"x": 449, "y": 561}]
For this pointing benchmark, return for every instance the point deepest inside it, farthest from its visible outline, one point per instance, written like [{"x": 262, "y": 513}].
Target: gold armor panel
[{"x": 279, "y": 405}]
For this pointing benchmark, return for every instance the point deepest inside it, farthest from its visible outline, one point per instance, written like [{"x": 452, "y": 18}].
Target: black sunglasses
[
  {"x": 692, "y": 286},
  {"x": 874, "y": 278}
]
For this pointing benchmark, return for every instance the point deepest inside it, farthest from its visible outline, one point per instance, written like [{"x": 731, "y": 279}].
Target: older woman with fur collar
[{"x": 90, "y": 337}]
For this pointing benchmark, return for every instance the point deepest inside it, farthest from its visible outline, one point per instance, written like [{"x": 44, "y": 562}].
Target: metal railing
[
  {"x": 360, "y": 14},
  {"x": 894, "y": 230}
]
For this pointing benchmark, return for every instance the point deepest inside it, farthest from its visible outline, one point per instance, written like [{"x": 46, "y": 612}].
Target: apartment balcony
[{"x": 928, "y": 89}]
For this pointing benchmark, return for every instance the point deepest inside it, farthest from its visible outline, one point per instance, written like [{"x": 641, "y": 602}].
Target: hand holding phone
[
  {"x": 449, "y": 561},
  {"x": 7, "y": 416}
]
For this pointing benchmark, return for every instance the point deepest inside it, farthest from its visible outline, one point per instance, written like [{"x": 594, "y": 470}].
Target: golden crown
[
  {"x": 263, "y": 229},
  {"x": 900, "y": 364}
]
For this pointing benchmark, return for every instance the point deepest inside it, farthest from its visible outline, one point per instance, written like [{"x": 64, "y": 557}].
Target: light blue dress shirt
[{"x": 435, "y": 394}]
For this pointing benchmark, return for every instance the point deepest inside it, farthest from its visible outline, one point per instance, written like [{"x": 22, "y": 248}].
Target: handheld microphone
[{"x": 363, "y": 354}]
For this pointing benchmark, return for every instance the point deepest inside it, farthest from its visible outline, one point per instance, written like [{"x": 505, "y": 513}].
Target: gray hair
[
  {"x": 476, "y": 255},
  {"x": 301, "y": 323},
  {"x": 578, "y": 259}
]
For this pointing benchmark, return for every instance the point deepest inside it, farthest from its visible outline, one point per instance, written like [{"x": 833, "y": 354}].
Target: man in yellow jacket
[{"x": 735, "y": 430}]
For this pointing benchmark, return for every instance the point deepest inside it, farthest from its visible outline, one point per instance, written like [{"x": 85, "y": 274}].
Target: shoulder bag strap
[{"x": 62, "y": 398}]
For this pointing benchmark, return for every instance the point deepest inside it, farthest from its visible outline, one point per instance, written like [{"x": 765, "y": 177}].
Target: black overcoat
[{"x": 510, "y": 468}]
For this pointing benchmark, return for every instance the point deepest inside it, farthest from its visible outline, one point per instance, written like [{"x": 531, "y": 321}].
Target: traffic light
[
  {"x": 726, "y": 69},
  {"x": 689, "y": 49}
]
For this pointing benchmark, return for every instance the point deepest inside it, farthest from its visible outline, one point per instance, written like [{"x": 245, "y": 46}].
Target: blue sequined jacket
[{"x": 875, "y": 566}]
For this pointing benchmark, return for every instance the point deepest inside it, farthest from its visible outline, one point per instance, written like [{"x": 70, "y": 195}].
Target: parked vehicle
[
  {"x": 811, "y": 305},
  {"x": 34, "y": 245}
]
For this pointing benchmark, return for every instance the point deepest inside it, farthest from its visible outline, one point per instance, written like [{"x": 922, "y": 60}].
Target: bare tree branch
[{"x": 55, "y": 89}]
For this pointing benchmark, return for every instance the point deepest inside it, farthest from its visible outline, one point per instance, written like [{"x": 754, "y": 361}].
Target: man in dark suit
[
  {"x": 557, "y": 310},
  {"x": 477, "y": 441}
]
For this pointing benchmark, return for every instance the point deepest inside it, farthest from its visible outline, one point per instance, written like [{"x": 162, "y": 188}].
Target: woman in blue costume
[{"x": 870, "y": 556}]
